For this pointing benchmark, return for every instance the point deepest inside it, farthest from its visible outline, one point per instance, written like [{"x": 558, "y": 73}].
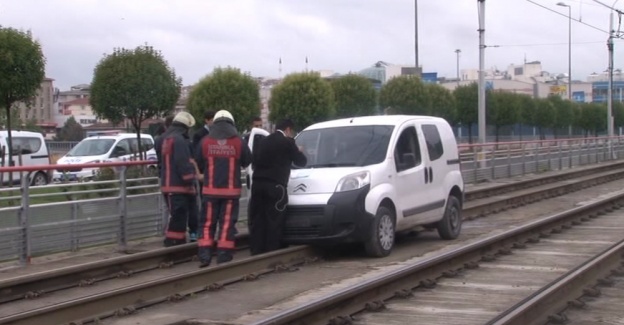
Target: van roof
[
  {"x": 5, "y": 133},
  {"x": 372, "y": 120},
  {"x": 119, "y": 136}
]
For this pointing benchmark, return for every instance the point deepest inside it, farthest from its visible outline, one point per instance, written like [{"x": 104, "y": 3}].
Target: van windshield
[
  {"x": 95, "y": 147},
  {"x": 345, "y": 146}
]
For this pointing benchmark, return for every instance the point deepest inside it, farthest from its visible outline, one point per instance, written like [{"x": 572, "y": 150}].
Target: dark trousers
[
  {"x": 267, "y": 208},
  {"x": 193, "y": 213},
  {"x": 221, "y": 214},
  {"x": 181, "y": 208}
]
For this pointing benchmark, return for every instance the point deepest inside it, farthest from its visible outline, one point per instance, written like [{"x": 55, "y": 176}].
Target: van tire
[
  {"x": 39, "y": 179},
  {"x": 450, "y": 225},
  {"x": 382, "y": 233}
]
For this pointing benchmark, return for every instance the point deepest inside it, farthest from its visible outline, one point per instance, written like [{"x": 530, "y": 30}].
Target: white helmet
[
  {"x": 185, "y": 118},
  {"x": 223, "y": 114}
]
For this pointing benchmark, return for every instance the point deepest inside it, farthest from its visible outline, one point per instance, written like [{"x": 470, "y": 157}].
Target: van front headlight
[{"x": 353, "y": 182}]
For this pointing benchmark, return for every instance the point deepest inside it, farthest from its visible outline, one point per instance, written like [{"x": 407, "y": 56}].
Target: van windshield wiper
[{"x": 332, "y": 165}]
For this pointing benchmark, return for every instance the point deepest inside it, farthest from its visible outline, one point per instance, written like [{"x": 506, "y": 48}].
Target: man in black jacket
[
  {"x": 177, "y": 177},
  {"x": 271, "y": 171},
  {"x": 220, "y": 157},
  {"x": 201, "y": 133}
]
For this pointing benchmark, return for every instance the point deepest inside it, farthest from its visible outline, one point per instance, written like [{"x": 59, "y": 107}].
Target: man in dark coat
[{"x": 271, "y": 170}]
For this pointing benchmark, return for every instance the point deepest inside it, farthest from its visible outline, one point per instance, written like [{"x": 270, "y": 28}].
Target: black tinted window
[
  {"x": 434, "y": 142},
  {"x": 25, "y": 145},
  {"x": 407, "y": 151},
  {"x": 345, "y": 146}
]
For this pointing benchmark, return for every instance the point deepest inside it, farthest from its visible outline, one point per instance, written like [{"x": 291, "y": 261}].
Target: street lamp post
[
  {"x": 562, "y": 4},
  {"x": 457, "y": 52}
]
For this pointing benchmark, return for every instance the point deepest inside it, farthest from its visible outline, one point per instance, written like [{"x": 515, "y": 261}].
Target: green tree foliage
[
  {"x": 303, "y": 97},
  {"x": 467, "y": 103},
  {"x": 618, "y": 114},
  {"x": 593, "y": 118},
  {"x": 22, "y": 69},
  {"x": 135, "y": 84},
  {"x": 528, "y": 111},
  {"x": 229, "y": 89},
  {"x": 71, "y": 131},
  {"x": 503, "y": 109},
  {"x": 442, "y": 103},
  {"x": 564, "y": 116},
  {"x": 405, "y": 95},
  {"x": 545, "y": 117},
  {"x": 354, "y": 96}
]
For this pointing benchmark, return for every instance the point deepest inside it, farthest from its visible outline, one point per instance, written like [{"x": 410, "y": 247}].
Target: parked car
[
  {"x": 99, "y": 149},
  {"x": 29, "y": 149},
  {"x": 369, "y": 178}
]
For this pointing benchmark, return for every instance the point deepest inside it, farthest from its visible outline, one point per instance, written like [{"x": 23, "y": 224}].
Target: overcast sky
[{"x": 340, "y": 35}]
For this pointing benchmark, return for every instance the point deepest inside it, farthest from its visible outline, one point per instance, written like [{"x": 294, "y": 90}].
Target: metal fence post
[
  {"x": 560, "y": 157},
  {"x": 24, "y": 215},
  {"x": 475, "y": 161},
  {"x": 123, "y": 210},
  {"x": 72, "y": 228}
]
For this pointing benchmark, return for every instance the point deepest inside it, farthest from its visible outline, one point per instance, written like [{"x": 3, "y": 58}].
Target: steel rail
[
  {"x": 545, "y": 304},
  {"x": 38, "y": 284},
  {"x": 338, "y": 306},
  {"x": 126, "y": 300}
]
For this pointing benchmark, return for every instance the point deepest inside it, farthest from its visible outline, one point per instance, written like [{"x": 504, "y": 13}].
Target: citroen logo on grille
[{"x": 300, "y": 188}]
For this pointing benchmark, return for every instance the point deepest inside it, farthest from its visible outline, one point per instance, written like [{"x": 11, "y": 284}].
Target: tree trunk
[{"x": 9, "y": 150}]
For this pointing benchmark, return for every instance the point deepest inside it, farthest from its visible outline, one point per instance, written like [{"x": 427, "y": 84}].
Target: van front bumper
[{"x": 342, "y": 219}]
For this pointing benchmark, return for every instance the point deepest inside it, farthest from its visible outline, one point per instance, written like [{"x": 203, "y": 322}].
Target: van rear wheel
[
  {"x": 450, "y": 225},
  {"x": 382, "y": 233},
  {"x": 39, "y": 179}
]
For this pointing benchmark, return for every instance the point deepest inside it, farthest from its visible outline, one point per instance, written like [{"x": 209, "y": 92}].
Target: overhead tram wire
[{"x": 558, "y": 13}]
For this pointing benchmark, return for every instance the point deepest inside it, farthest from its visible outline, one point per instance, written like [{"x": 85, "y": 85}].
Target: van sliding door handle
[
  {"x": 430, "y": 174},
  {"x": 426, "y": 176}
]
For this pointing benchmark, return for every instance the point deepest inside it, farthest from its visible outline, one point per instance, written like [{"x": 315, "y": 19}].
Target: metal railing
[{"x": 125, "y": 202}]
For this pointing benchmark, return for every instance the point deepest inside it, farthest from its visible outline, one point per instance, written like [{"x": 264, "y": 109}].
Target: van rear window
[{"x": 25, "y": 145}]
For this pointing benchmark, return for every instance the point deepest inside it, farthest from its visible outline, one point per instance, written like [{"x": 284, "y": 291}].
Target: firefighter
[
  {"x": 177, "y": 177},
  {"x": 271, "y": 171},
  {"x": 220, "y": 156}
]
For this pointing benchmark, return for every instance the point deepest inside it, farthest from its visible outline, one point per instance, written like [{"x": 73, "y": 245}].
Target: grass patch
[{"x": 140, "y": 180}]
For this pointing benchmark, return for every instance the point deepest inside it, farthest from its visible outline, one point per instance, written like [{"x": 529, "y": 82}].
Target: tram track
[
  {"x": 469, "y": 284},
  {"x": 22, "y": 287}
]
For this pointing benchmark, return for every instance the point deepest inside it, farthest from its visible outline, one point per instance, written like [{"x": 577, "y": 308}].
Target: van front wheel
[
  {"x": 450, "y": 225},
  {"x": 382, "y": 233}
]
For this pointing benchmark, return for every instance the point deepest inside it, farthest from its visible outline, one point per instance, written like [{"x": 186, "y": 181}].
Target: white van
[
  {"x": 32, "y": 148},
  {"x": 368, "y": 178},
  {"x": 102, "y": 148}
]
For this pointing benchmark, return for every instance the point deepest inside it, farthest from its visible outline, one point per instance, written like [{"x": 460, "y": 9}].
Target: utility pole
[
  {"x": 457, "y": 52},
  {"x": 481, "y": 96},
  {"x": 416, "y": 38},
  {"x": 610, "y": 90}
]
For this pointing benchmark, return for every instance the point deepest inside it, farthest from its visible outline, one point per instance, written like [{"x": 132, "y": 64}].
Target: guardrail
[{"x": 125, "y": 203}]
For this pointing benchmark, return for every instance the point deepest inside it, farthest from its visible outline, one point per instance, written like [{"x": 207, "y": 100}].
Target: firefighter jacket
[
  {"x": 220, "y": 157},
  {"x": 177, "y": 172}
]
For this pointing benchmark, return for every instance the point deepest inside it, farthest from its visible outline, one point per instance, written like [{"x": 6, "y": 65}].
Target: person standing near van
[
  {"x": 271, "y": 171},
  {"x": 220, "y": 157},
  {"x": 205, "y": 130},
  {"x": 177, "y": 177}
]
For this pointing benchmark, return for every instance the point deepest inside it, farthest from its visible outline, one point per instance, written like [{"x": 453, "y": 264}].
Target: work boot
[
  {"x": 168, "y": 242},
  {"x": 205, "y": 256},
  {"x": 224, "y": 256}
]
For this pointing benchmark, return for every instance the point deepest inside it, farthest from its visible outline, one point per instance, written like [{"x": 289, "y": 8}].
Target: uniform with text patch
[{"x": 220, "y": 157}]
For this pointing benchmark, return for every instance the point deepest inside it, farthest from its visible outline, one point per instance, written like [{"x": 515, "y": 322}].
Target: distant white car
[
  {"x": 31, "y": 149},
  {"x": 99, "y": 149}
]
